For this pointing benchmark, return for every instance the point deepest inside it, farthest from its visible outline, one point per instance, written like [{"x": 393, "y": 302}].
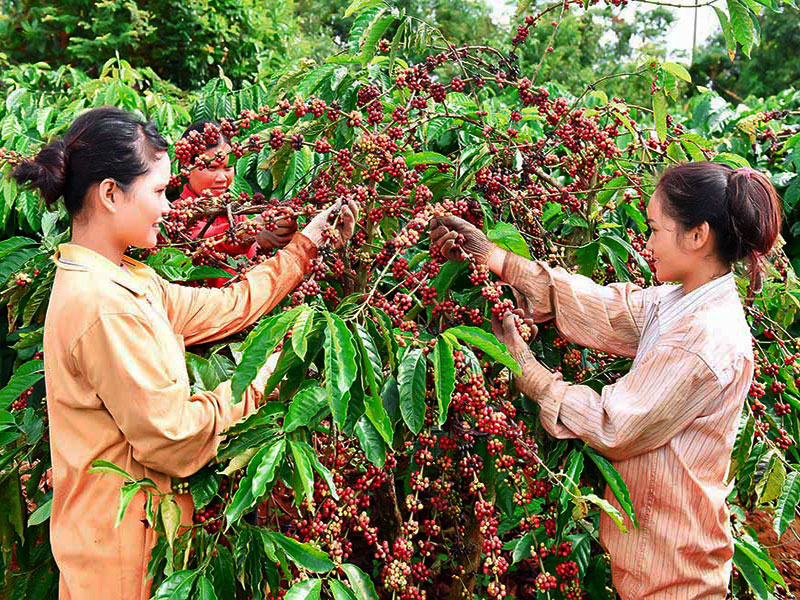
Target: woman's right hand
[{"x": 335, "y": 224}]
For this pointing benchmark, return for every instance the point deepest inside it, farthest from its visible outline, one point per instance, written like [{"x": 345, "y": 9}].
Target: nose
[
  {"x": 649, "y": 244},
  {"x": 165, "y": 205}
]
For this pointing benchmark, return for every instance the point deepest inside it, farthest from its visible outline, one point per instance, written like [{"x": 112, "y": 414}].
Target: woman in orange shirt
[
  {"x": 669, "y": 424},
  {"x": 114, "y": 338},
  {"x": 216, "y": 178}
]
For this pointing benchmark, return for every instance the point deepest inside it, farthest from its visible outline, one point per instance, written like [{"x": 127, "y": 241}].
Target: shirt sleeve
[
  {"x": 204, "y": 315},
  {"x": 169, "y": 429},
  {"x": 642, "y": 411},
  {"x": 608, "y": 318}
]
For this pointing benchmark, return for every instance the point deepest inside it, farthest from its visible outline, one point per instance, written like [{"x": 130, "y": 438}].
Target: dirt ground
[{"x": 786, "y": 553}]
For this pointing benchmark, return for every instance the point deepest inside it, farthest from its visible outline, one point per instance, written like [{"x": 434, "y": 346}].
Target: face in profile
[
  {"x": 141, "y": 207},
  {"x": 670, "y": 258},
  {"x": 218, "y": 176}
]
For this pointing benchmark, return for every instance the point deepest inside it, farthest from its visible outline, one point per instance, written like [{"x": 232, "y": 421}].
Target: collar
[
  {"x": 73, "y": 257},
  {"x": 675, "y": 304},
  {"x": 188, "y": 192}
]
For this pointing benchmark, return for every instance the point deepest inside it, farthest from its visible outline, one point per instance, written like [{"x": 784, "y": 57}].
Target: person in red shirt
[{"x": 217, "y": 178}]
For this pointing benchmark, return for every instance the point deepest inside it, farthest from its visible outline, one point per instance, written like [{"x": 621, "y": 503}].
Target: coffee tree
[{"x": 392, "y": 456}]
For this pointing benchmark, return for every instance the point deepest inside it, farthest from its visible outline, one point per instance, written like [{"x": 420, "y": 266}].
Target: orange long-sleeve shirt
[
  {"x": 668, "y": 426},
  {"x": 118, "y": 390}
]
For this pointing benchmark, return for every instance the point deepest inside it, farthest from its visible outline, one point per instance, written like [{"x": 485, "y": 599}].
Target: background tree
[{"x": 773, "y": 66}]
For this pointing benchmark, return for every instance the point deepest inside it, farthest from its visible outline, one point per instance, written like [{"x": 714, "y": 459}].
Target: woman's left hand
[
  {"x": 507, "y": 332},
  {"x": 285, "y": 229}
]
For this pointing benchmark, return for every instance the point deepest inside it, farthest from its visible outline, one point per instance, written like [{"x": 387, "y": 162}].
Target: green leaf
[
  {"x": 205, "y": 591},
  {"x": 372, "y": 35},
  {"x": 303, "y": 555},
  {"x": 425, "y": 158},
  {"x": 727, "y": 32},
  {"x": 340, "y": 591},
  {"x": 660, "y": 114},
  {"x": 170, "y": 517},
  {"x": 509, "y": 238},
  {"x": 615, "y": 482},
  {"x": 742, "y": 25},
  {"x": 340, "y": 366},
  {"x": 177, "y": 586},
  {"x": 572, "y": 471},
  {"x": 258, "y": 346},
  {"x": 753, "y": 550},
  {"x": 203, "y": 486},
  {"x": 359, "y": 582},
  {"x": 522, "y": 549},
  {"x": 609, "y": 509},
  {"x": 261, "y": 466},
  {"x": 319, "y": 468},
  {"x": 303, "y": 474},
  {"x": 751, "y": 574},
  {"x": 677, "y": 70},
  {"x": 301, "y": 330},
  {"x": 266, "y": 466},
  {"x": 306, "y": 404},
  {"x": 486, "y": 342},
  {"x": 769, "y": 488},
  {"x": 611, "y": 189},
  {"x": 24, "y": 378},
  {"x": 41, "y": 514},
  {"x": 586, "y": 258},
  {"x": 444, "y": 375},
  {"x": 359, "y": 5},
  {"x": 305, "y": 590},
  {"x": 371, "y": 441},
  {"x": 372, "y": 374},
  {"x": 787, "y": 503},
  {"x": 411, "y": 379},
  {"x": 104, "y": 467}
]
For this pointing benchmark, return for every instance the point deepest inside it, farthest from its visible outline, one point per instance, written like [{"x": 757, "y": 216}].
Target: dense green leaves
[{"x": 257, "y": 348}]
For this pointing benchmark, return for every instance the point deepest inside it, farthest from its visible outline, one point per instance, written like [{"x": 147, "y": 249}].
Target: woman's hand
[
  {"x": 507, "y": 331},
  {"x": 335, "y": 224},
  {"x": 455, "y": 236},
  {"x": 285, "y": 229}
]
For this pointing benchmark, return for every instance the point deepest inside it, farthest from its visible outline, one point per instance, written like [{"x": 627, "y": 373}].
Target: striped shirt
[{"x": 668, "y": 426}]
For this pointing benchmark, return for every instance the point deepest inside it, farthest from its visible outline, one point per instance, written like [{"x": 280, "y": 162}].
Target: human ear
[
  {"x": 699, "y": 236},
  {"x": 108, "y": 194}
]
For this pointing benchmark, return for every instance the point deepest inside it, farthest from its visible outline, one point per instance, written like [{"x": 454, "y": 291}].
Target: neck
[
  {"x": 87, "y": 237},
  {"x": 703, "y": 274}
]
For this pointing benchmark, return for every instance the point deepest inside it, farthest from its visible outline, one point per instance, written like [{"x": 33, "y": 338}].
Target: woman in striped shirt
[{"x": 669, "y": 425}]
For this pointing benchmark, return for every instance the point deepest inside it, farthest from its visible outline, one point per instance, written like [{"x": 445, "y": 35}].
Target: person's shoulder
[{"x": 718, "y": 334}]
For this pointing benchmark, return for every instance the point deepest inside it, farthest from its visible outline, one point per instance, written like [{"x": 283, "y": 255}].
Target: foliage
[
  {"x": 393, "y": 457},
  {"x": 185, "y": 42},
  {"x": 773, "y": 66}
]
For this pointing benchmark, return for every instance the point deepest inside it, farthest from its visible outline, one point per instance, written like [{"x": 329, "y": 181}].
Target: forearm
[
  {"x": 606, "y": 318},
  {"x": 203, "y": 315}
]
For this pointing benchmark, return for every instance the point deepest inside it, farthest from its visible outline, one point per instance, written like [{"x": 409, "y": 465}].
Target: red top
[{"x": 219, "y": 227}]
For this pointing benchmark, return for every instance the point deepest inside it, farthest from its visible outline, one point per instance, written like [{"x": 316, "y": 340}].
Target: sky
[{"x": 679, "y": 39}]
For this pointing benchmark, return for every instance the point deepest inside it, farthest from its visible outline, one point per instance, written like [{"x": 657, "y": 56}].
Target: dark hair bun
[
  {"x": 47, "y": 171},
  {"x": 101, "y": 143}
]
